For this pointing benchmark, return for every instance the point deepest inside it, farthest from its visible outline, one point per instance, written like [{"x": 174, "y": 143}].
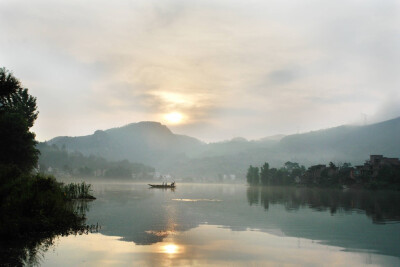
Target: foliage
[
  {"x": 33, "y": 211},
  {"x": 17, "y": 143},
  {"x": 9, "y": 84},
  {"x": 75, "y": 163},
  {"x": 33, "y": 207},
  {"x": 33, "y": 203},
  {"x": 290, "y": 166},
  {"x": 264, "y": 174},
  {"x": 17, "y": 115},
  {"x": 20, "y": 102},
  {"x": 77, "y": 191},
  {"x": 272, "y": 176},
  {"x": 253, "y": 176},
  {"x": 388, "y": 178},
  {"x": 336, "y": 176}
]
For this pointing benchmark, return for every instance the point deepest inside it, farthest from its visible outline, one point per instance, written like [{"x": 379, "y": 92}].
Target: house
[{"x": 372, "y": 166}]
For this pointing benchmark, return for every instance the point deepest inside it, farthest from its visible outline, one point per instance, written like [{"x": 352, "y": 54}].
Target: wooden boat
[{"x": 162, "y": 186}]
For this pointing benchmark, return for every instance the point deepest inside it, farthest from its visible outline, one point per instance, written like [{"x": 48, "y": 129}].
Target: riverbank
[{"x": 34, "y": 210}]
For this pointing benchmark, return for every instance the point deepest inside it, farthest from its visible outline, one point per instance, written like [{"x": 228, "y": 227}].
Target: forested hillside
[{"x": 154, "y": 144}]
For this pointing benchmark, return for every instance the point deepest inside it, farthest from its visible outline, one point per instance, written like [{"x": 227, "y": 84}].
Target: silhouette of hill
[
  {"x": 340, "y": 144},
  {"x": 350, "y": 143},
  {"x": 154, "y": 144},
  {"x": 146, "y": 142}
]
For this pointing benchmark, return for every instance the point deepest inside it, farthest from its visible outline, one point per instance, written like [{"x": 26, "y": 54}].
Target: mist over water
[
  {"x": 235, "y": 224},
  {"x": 269, "y": 132}
]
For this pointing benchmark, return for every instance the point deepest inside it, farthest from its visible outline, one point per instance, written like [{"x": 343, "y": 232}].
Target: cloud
[
  {"x": 389, "y": 109},
  {"x": 232, "y": 67},
  {"x": 283, "y": 76}
]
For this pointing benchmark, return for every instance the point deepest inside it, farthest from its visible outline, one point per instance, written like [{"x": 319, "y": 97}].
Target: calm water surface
[{"x": 234, "y": 225}]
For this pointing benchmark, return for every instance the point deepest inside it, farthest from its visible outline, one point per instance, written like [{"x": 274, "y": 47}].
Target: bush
[{"x": 34, "y": 203}]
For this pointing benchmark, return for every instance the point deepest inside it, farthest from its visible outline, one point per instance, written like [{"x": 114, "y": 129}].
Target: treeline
[
  {"x": 58, "y": 160},
  {"x": 290, "y": 173},
  {"x": 384, "y": 174},
  {"x": 33, "y": 207},
  {"x": 388, "y": 177},
  {"x": 294, "y": 173}
]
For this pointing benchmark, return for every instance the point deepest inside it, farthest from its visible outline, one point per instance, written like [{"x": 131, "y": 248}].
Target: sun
[
  {"x": 170, "y": 249},
  {"x": 174, "y": 117}
]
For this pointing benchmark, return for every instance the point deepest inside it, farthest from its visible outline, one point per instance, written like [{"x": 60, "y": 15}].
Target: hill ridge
[{"x": 156, "y": 145}]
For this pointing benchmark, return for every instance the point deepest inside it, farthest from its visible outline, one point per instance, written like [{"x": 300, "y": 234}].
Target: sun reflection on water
[{"x": 208, "y": 245}]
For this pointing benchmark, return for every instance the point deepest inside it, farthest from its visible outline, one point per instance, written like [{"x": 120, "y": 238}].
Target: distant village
[
  {"x": 370, "y": 169},
  {"x": 377, "y": 172}
]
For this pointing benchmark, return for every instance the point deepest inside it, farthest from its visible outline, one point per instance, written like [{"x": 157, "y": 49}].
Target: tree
[
  {"x": 264, "y": 174},
  {"x": 16, "y": 99},
  {"x": 345, "y": 165},
  {"x": 292, "y": 171},
  {"x": 290, "y": 166},
  {"x": 253, "y": 176},
  {"x": 332, "y": 165},
  {"x": 17, "y": 116},
  {"x": 9, "y": 84}
]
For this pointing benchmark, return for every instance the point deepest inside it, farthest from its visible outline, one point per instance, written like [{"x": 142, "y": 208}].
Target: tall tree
[
  {"x": 17, "y": 115},
  {"x": 264, "y": 174},
  {"x": 9, "y": 84},
  {"x": 290, "y": 166},
  {"x": 16, "y": 99},
  {"x": 253, "y": 175}
]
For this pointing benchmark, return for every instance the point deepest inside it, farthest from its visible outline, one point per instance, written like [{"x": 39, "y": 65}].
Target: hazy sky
[{"x": 231, "y": 68}]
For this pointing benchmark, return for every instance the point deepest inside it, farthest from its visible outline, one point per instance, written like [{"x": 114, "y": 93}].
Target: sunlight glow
[
  {"x": 170, "y": 249},
  {"x": 174, "y": 98},
  {"x": 174, "y": 117}
]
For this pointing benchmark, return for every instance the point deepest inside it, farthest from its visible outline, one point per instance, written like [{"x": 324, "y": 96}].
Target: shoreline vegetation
[
  {"x": 76, "y": 191},
  {"x": 34, "y": 207},
  {"x": 68, "y": 164},
  {"x": 378, "y": 172}
]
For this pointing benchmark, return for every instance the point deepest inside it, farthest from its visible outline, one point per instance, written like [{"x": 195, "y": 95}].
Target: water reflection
[
  {"x": 30, "y": 250},
  {"x": 332, "y": 217},
  {"x": 196, "y": 200},
  {"x": 236, "y": 224},
  {"x": 381, "y": 206},
  {"x": 209, "y": 245}
]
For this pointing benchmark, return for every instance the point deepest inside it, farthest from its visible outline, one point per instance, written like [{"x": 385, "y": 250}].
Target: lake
[{"x": 233, "y": 225}]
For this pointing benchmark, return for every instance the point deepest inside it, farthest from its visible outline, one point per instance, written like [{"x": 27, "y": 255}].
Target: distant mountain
[
  {"x": 276, "y": 137},
  {"x": 145, "y": 142},
  {"x": 154, "y": 144},
  {"x": 340, "y": 144},
  {"x": 350, "y": 143}
]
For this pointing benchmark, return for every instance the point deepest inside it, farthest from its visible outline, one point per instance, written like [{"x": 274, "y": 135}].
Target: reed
[{"x": 78, "y": 191}]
